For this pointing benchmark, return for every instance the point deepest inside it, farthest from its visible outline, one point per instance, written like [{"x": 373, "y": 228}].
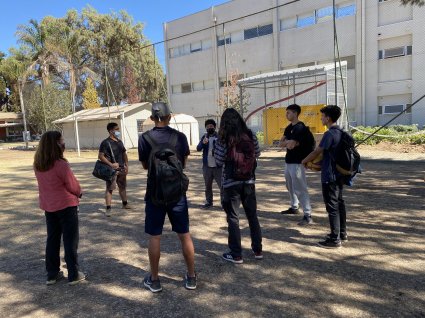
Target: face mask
[
  {"x": 210, "y": 131},
  {"x": 117, "y": 134}
]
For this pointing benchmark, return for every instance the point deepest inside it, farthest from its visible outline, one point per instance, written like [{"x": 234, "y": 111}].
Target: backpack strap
[
  {"x": 150, "y": 140},
  {"x": 173, "y": 139}
]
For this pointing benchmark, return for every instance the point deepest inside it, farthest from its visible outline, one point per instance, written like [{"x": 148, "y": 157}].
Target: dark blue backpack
[{"x": 347, "y": 158}]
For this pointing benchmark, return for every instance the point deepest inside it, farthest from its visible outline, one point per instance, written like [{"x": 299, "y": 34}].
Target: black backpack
[
  {"x": 347, "y": 158},
  {"x": 241, "y": 159},
  {"x": 308, "y": 143},
  {"x": 166, "y": 181}
]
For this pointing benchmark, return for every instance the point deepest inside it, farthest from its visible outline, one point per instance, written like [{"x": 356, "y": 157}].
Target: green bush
[
  {"x": 260, "y": 137},
  {"x": 395, "y": 130}
]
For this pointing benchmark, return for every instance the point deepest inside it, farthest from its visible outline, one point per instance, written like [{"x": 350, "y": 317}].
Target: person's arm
[
  {"x": 201, "y": 144},
  {"x": 102, "y": 157},
  {"x": 144, "y": 165},
  {"x": 125, "y": 157},
  {"x": 313, "y": 155},
  {"x": 143, "y": 152},
  {"x": 69, "y": 179}
]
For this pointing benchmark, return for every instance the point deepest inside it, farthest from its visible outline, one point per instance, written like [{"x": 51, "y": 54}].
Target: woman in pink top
[{"x": 59, "y": 193}]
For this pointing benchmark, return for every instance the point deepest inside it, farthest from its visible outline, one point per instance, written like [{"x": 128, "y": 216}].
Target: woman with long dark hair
[
  {"x": 237, "y": 150},
  {"x": 59, "y": 193}
]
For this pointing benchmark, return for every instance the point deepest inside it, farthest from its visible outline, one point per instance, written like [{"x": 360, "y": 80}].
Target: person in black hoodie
[{"x": 209, "y": 167}]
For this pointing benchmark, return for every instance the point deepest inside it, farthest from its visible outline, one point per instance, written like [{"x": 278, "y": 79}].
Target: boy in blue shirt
[{"x": 332, "y": 184}]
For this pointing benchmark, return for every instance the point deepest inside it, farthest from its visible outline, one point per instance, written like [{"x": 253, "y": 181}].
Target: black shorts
[{"x": 177, "y": 214}]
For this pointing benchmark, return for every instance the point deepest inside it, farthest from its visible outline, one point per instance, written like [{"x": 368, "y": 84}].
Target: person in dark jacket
[{"x": 210, "y": 169}]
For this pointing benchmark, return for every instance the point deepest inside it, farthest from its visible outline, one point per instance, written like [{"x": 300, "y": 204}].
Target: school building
[{"x": 382, "y": 41}]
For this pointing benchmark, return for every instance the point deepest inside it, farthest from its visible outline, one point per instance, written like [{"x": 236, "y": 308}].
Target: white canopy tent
[
  {"x": 184, "y": 123},
  {"x": 91, "y": 125}
]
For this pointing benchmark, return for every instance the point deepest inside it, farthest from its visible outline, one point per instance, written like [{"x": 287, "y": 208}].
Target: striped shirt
[{"x": 220, "y": 155}]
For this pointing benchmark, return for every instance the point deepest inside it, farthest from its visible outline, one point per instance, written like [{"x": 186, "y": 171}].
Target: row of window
[
  {"x": 317, "y": 16},
  {"x": 192, "y": 87},
  {"x": 190, "y": 48},
  {"x": 246, "y": 34},
  {"x": 299, "y": 21},
  {"x": 393, "y": 109},
  {"x": 395, "y": 52}
]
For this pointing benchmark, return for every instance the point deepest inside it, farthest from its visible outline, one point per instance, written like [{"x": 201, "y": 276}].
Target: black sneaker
[
  {"x": 291, "y": 211},
  {"x": 306, "y": 220},
  {"x": 344, "y": 238},
  {"x": 55, "y": 279},
  {"x": 207, "y": 206},
  {"x": 234, "y": 259},
  {"x": 329, "y": 244},
  {"x": 153, "y": 285},
  {"x": 190, "y": 282}
]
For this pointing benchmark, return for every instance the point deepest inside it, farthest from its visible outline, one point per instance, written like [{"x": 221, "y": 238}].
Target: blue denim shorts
[{"x": 177, "y": 214}]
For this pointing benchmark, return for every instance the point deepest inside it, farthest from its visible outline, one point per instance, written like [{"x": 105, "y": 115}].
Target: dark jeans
[
  {"x": 62, "y": 223},
  {"x": 211, "y": 174},
  {"x": 232, "y": 197},
  {"x": 335, "y": 206}
]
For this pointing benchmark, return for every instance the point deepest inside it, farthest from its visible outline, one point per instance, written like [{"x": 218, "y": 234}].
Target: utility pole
[{"x": 21, "y": 98}]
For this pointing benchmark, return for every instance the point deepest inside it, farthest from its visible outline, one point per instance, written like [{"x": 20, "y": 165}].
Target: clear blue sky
[{"x": 151, "y": 13}]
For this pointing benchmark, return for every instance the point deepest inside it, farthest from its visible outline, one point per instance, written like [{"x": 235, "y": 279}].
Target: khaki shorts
[{"x": 120, "y": 180}]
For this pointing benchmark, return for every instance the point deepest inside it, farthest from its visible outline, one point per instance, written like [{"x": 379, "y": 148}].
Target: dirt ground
[{"x": 380, "y": 272}]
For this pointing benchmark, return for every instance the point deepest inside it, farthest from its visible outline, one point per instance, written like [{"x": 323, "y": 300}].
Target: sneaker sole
[
  {"x": 232, "y": 260},
  {"x": 75, "y": 282},
  {"x": 329, "y": 247},
  {"x": 190, "y": 287},
  {"x": 52, "y": 282},
  {"x": 152, "y": 289}
]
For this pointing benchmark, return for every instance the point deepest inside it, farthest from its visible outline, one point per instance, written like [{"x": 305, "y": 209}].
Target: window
[
  {"x": 209, "y": 84},
  {"x": 176, "y": 89},
  {"x": 306, "y": 20},
  {"x": 195, "y": 47},
  {"x": 250, "y": 33},
  {"x": 198, "y": 86},
  {"x": 174, "y": 52},
  {"x": 265, "y": 30},
  {"x": 221, "y": 39},
  {"x": 345, "y": 11},
  {"x": 395, "y": 52},
  {"x": 258, "y": 31},
  {"x": 288, "y": 23},
  {"x": 324, "y": 14},
  {"x": 206, "y": 44},
  {"x": 236, "y": 36},
  {"x": 391, "y": 109},
  {"x": 186, "y": 88}
]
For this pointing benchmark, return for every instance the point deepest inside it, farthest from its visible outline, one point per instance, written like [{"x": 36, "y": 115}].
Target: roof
[
  {"x": 175, "y": 119},
  {"x": 300, "y": 71},
  {"x": 10, "y": 116},
  {"x": 103, "y": 113}
]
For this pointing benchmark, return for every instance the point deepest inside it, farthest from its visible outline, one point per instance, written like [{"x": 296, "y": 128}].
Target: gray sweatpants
[
  {"x": 211, "y": 174},
  {"x": 296, "y": 183}
]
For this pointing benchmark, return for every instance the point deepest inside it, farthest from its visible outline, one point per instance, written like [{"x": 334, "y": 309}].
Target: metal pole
[
  {"x": 21, "y": 98},
  {"x": 241, "y": 100},
  {"x": 266, "y": 135},
  {"x": 76, "y": 134},
  {"x": 335, "y": 74}
]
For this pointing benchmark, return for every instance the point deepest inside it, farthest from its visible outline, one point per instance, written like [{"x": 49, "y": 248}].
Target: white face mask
[{"x": 117, "y": 134}]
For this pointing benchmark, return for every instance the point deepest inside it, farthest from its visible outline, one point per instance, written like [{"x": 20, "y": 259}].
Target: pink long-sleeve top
[{"x": 58, "y": 187}]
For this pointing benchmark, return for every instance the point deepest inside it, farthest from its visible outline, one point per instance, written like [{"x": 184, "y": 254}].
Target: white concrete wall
[{"x": 386, "y": 25}]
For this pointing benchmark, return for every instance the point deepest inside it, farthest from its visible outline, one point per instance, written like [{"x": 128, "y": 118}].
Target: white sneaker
[{"x": 108, "y": 212}]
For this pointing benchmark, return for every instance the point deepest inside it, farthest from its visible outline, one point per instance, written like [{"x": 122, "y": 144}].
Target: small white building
[
  {"x": 184, "y": 123},
  {"x": 91, "y": 124}
]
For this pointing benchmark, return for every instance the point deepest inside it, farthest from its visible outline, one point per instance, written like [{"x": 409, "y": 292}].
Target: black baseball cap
[{"x": 160, "y": 109}]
